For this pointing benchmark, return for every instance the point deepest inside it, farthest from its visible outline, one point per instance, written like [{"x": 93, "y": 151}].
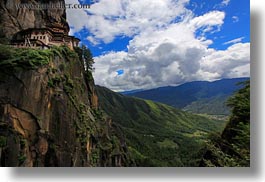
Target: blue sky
[
  {"x": 237, "y": 25},
  {"x": 146, "y": 44}
]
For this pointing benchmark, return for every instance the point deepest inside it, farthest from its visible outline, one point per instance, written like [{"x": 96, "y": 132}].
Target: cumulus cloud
[
  {"x": 168, "y": 44},
  {"x": 107, "y": 19},
  {"x": 169, "y": 63},
  {"x": 233, "y": 62}
]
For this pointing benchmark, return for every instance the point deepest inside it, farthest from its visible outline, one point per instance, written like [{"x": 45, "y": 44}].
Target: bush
[
  {"x": 2, "y": 141},
  {"x": 21, "y": 58}
]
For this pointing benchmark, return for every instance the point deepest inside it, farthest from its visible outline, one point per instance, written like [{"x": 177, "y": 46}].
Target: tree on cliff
[
  {"x": 86, "y": 57},
  {"x": 232, "y": 148},
  {"x": 85, "y": 54}
]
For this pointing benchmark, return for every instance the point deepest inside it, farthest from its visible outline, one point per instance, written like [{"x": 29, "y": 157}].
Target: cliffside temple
[{"x": 44, "y": 38}]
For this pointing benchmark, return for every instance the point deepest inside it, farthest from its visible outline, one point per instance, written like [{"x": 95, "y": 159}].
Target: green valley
[{"x": 157, "y": 134}]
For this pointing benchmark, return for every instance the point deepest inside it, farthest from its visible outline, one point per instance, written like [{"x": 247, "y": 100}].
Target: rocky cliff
[
  {"x": 14, "y": 19},
  {"x": 49, "y": 114}
]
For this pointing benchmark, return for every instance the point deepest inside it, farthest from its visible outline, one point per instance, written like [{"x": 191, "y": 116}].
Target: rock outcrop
[
  {"x": 14, "y": 19},
  {"x": 49, "y": 117},
  {"x": 49, "y": 113}
]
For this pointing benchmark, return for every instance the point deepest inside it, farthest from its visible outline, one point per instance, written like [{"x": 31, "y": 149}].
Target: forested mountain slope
[{"x": 157, "y": 134}]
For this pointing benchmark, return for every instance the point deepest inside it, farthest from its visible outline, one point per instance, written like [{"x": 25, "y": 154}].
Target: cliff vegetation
[
  {"x": 232, "y": 147},
  {"x": 49, "y": 114}
]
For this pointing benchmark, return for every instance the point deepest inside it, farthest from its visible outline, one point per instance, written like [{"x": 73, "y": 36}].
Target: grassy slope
[{"x": 157, "y": 134}]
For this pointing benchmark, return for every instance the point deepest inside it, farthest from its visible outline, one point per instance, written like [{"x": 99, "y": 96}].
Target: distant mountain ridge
[{"x": 198, "y": 96}]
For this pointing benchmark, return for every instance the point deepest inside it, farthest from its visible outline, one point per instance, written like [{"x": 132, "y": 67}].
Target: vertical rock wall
[
  {"x": 14, "y": 19},
  {"x": 49, "y": 115}
]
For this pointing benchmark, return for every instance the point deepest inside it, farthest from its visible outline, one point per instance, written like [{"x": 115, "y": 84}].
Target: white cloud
[
  {"x": 208, "y": 20},
  {"x": 76, "y": 17},
  {"x": 233, "y": 62},
  {"x": 107, "y": 19},
  {"x": 168, "y": 44},
  {"x": 235, "y": 19},
  {"x": 170, "y": 63},
  {"x": 225, "y": 2},
  {"x": 234, "y": 41}
]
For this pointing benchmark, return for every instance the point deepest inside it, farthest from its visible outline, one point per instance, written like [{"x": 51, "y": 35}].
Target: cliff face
[
  {"x": 13, "y": 19},
  {"x": 49, "y": 113}
]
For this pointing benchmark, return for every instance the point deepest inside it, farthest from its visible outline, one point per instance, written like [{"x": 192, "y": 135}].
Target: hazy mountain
[{"x": 198, "y": 97}]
